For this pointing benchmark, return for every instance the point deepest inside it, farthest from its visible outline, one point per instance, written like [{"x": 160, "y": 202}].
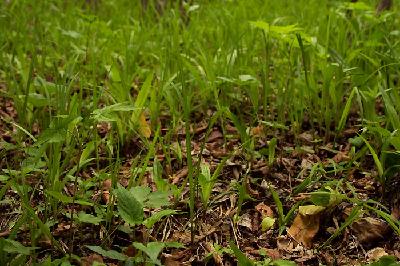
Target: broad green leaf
[
  {"x": 130, "y": 209},
  {"x": 327, "y": 198},
  {"x": 114, "y": 74},
  {"x": 206, "y": 183},
  {"x": 37, "y": 100},
  {"x": 293, "y": 28},
  {"x": 111, "y": 254},
  {"x": 385, "y": 261},
  {"x": 13, "y": 246},
  {"x": 141, "y": 193},
  {"x": 157, "y": 199},
  {"x": 152, "y": 250},
  {"x": 89, "y": 218},
  {"x": 357, "y": 6},
  {"x": 110, "y": 113}
]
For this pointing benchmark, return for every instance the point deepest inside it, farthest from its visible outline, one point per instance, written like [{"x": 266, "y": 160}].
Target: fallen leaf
[
  {"x": 144, "y": 126},
  {"x": 89, "y": 260},
  {"x": 181, "y": 174},
  {"x": 369, "y": 229},
  {"x": 264, "y": 210},
  {"x": 216, "y": 134},
  {"x": 285, "y": 243},
  {"x": 306, "y": 224},
  {"x": 306, "y": 137},
  {"x": 257, "y": 131},
  {"x": 376, "y": 253},
  {"x": 177, "y": 258},
  {"x": 246, "y": 221},
  {"x": 341, "y": 156}
]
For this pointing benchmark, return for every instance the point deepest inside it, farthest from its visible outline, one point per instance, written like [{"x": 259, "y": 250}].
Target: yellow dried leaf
[{"x": 144, "y": 127}]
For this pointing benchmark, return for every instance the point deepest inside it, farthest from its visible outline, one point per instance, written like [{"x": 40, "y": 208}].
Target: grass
[{"x": 110, "y": 115}]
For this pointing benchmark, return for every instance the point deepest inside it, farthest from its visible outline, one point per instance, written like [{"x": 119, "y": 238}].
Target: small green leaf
[
  {"x": 130, "y": 209},
  {"x": 267, "y": 223},
  {"x": 111, "y": 254}
]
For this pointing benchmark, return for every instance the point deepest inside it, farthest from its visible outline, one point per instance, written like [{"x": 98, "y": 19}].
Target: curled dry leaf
[
  {"x": 341, "y": 156},
  {"x": 257, "y": 131},
  {"x": 306, "y": 224},
  {"x": 265, "y": 210},
  {"x": 369, "y": 229}
]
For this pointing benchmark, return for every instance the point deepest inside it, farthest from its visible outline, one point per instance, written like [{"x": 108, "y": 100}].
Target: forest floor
[{"x": 177, "y": 155}]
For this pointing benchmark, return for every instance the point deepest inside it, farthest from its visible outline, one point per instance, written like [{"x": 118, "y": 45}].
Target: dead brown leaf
[
  {"x": 369, "y": 229},
  {"x": 214, "y": 135},
  {"x": 106, "y": 186},
  {"x": 181, "y": 174},
  {"x": 285, "y": 243},
  {"x": 89, "y": 260},
  {"x": 265, "y": 210},
  {"x": 306, "y": 224},
  {"x": 144, "y": 126},
  {"x": 341, "y": 156},
  {"x": 376, "y": 253},
  {"x": 257, "y": 131}
]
